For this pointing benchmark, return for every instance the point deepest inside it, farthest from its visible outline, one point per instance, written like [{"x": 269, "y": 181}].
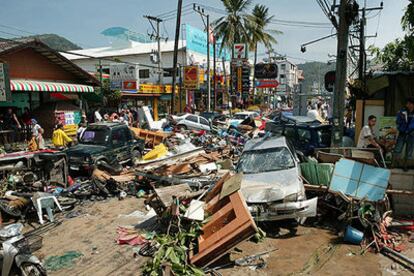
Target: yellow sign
[
  {"x": 191, "y": 77},
  {"x": 156, "y": 88},
  {"x": 70, "y": 130}
]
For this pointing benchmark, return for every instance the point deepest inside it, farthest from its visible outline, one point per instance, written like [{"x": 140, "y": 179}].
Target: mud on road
[{"x": 312, "y": 251}]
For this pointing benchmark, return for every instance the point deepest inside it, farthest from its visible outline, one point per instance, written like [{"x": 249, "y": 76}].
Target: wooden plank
[{"x": 165, "y": 194}]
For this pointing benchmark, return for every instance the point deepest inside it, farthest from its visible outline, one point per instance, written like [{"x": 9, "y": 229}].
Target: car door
[
  {"x": 120, "y": 144},
  {"x": 204, "y": 124},
  {"x": 191, "y": 122}
]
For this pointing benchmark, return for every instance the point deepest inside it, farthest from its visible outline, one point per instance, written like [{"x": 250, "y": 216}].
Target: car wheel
[{"x": 182, "y": 127}]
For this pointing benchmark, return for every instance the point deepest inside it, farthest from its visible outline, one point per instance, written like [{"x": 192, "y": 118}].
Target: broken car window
[{"x": 265, "y": 160}]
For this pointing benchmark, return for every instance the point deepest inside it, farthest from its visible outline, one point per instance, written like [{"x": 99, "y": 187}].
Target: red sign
[
  {"x": 267, "y": 84},
  {"x": 129, "y": 85}
]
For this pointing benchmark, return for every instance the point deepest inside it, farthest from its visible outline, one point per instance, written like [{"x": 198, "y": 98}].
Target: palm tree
[
  {"x": 257, "y": 24},
  {"x": 232, "y": 28}
]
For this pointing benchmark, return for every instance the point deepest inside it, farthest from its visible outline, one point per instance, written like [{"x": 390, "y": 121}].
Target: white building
[
  {"x": 192, "y": 50},
  {"x": 288, "y": 77}
]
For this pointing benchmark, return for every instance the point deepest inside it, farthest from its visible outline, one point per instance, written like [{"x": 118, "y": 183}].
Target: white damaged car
[{"x": 271, "y": 183}]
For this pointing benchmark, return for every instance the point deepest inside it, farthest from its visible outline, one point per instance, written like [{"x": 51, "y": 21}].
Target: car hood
[
  {"x": 84, "y": 150},
  {"x": 270, "y": 186}
]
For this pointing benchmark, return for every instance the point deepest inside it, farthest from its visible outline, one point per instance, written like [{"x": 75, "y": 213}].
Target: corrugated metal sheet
[{"x": 317, "y": 173}]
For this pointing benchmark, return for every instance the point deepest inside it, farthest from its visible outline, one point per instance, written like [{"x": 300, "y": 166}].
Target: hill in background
[
  {"x": 314, "y": 73},
  {"x": 54, "y": 41}
]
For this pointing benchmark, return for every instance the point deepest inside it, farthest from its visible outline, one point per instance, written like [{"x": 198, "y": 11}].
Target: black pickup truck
[{"x": 113, "y": 143}]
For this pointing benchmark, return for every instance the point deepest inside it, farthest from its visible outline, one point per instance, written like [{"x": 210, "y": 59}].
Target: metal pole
[
  {"x": 341, "y": 71},
  {"x": 181, "y": 88},
  {"x": 208, "y": 66},
  {"x": 160, "y": 72},
  {"x": 214, "y": 74},
  {"x": 177, "y": 37}
]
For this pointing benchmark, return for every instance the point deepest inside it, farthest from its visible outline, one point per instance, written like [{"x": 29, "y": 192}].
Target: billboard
[
  {"x": 265, "y": 71},
  {"x": 191, "y": 77},
  {"x": 196, "y": 41},
  {"x": 121, "y": 73}
]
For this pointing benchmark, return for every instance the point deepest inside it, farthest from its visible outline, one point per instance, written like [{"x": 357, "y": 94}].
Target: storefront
[{"x": 46, "y": 83}]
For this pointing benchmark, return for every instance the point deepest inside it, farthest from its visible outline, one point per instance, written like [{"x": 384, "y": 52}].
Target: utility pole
[
  {"x": 177, "y": 37},
  {"x": 200, "y": 11},
  {"x": 362, "y": 60},
  {"x": 158, "y": 38},
  {"x": 341, "y": 74},
  {"x": 214, "y": 74}
]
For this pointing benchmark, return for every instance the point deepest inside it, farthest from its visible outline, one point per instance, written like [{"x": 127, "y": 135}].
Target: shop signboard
[
  {"x": 196, "y": 41},
  {"x": 130, "y": 85},
  {"x": 191, "y": 77},
  {"x": 5, "y": 94},
  {"x": 120, "y": 73},
  {"x": 267, "y": 84},
  {"x": 240, "y": 51}
]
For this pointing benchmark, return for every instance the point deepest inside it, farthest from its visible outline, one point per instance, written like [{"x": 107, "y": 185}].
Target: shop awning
[{"x": 43, "y": 86}]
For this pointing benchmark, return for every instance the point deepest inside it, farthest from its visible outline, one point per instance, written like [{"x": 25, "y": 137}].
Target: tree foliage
[
  {"x": 232, "y": 27},
  {"x": 399, "y": 54}
]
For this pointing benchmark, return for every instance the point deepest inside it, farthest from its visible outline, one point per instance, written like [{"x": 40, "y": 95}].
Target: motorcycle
[{"x": 16, "y": 252}]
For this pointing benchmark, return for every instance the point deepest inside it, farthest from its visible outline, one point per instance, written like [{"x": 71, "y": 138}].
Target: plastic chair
[{"x": 48, "y": 203}]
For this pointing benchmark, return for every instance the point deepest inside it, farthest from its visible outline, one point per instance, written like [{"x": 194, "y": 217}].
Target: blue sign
[{"x": 196, "y": 40}]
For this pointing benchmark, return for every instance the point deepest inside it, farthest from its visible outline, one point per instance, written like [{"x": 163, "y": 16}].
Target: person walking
[{"x": 405, "y": 126}]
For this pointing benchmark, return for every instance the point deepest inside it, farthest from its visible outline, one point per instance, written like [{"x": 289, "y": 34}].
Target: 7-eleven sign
[{"x": 240, "y": 50}]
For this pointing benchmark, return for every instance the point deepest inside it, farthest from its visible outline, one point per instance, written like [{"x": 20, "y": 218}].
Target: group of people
[
  {"x": 405, "y": 127},
  {"x": 319, "y": 110},
  {"x": 126, "y": 116}
]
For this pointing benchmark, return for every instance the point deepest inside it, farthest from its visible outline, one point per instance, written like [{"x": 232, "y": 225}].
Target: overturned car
[{"x": 271, "y": 182}]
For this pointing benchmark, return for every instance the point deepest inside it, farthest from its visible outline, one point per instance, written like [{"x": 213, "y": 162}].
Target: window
[
  {"x": 266, "y": 160},
  {"x": 168, "y": 72},
  {"x": 304, "y": 135},
  {"x": 118, "y": 137},
  {"x": 283, "y": 67},
  {"x": 192, "y": 118},
  {"x": 144, "y": 74},
  {"x": 94, "y": 136},
  {"x": 290, "y": 133},
  {"x": 282, "y": 76},
  {"x": 204, "y": 122}
]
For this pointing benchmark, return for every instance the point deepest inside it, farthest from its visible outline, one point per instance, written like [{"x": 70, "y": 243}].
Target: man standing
[
  {"x": 367, "y": 136},
  {"x": 405, "y": 126}
]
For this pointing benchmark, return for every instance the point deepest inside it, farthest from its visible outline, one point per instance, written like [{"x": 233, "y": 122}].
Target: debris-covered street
[{"x": 234, "y": 137}]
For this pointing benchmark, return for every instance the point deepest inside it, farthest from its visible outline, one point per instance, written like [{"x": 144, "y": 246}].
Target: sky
[{"x": 82, "y": 21}]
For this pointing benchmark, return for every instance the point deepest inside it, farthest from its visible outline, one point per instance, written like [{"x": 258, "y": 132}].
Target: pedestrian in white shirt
[
  {"x": 97, "y": 116},
  {"x": 367, "y": 136}
]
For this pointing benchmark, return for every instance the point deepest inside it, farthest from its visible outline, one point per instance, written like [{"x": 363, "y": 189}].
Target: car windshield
[
  {"x": 239, "y": 116},
  {"x": 265, "y": 160},
  {"x": 95, "y": 136}
]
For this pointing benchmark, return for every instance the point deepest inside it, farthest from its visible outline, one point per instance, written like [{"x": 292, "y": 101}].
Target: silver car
[
  {"x": 271, "y": 184},
  {"x": 191, "y": 121}
]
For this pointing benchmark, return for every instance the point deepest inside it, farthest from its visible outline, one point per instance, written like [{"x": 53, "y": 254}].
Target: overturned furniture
[{"x": 230, "y": 223}]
